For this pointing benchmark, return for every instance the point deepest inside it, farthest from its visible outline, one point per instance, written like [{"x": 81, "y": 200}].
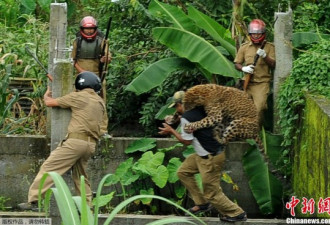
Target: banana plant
[
  {"x": 305, "y": 38},
  {"x": 266, "y": 189},
  {"x": 184, "y": 39}
]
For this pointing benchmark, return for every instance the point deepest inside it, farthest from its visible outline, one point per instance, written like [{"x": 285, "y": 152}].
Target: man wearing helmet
[
  {"x": 258, "y": 87},
  {"x": 87, "y": 49},
  {"x": 88, "y": 113},
  {"x": 207, "y": 160}
]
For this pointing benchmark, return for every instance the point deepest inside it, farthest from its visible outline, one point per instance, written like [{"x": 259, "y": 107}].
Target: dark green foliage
[
  {"x": 313, "y": 17},
  {"x": 133, "y": 50},
  {"x": 7, "y": 97},
  {"x": 310, "y": 73}
]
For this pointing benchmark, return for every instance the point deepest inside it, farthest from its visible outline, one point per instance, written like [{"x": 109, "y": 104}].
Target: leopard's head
[{"x": 192, "y": 98}]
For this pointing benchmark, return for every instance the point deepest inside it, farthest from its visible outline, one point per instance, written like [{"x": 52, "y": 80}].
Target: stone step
[
  {"x": 21, "y": 214},
  {"x": 131, "y": 219}
]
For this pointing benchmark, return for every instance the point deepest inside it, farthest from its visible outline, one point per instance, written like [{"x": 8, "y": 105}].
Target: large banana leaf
[
  {"x": 173, "y": 15},
  {"x": 196, "y": 49},
  {"x": 164, "y": 111},
  {"x": 156, "y": 73},
  {"x": 214, "y": 29},
  {"x": 266, "y": 189},
  {"x": 303, "y": 38}
]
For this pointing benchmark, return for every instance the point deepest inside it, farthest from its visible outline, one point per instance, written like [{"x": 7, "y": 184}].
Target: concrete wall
[
  {"x": 20, "y": 158},
  {"x": 311, "y": 165}
]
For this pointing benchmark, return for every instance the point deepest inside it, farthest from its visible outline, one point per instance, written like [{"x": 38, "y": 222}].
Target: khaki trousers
[
  {"x": 259, "y": 93},
  {"x": 71, "y": 153},
  {"x": 209, "y": 170}
]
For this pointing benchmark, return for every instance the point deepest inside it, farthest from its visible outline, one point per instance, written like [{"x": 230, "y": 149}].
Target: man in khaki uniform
[
  {"x": 88, "y": 114},
  {"x": 258, "y": 87},
  {"x": 208, "y": 159},
  {"x": 86, "y": 52},
  {"x": 87, "y": 49}
]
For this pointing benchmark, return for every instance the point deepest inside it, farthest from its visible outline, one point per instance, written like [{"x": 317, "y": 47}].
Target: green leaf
[
  {"x": 172, "y": 167},
  {"x": 103, "y": 199},
  {"x": 151, "y": 161},
  {"x": 123, "y": 174},
  {"x": 141, "y": 145},
  {"x": 214, "y": 29},
  {"x": 177, "y": 145},
  {"x": 179, "y": 190},
  {"x": 29, "y": 5},
  {"x": 112, "y": 179},
  {"x": 124, "y": 167},
  {"x": 196, "y": 49},
  {"x": 189, "y": 150},
  {"x": 45, "y": 5},
  {"x": 266, "y": 189},
  {"x": 147, "y": 201},
  {"x": 305, "y": 38},
  {"x": 173, "y": 15},
  {"x": 63, "y": 197},
  {"x": 98, "y": 194},
  {"x": 129, "y": 178},
  {"x": 156, "y": 73},
  {"x": 83, "y": 205},
  {"x": 164, "y": 111},
  {"x": 273, "y": 142},
  {"x": 160, "y": 176},
  {"x": 88, "y": 212}
]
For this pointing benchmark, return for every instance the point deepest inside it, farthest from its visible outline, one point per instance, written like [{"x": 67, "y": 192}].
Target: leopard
[
  {"x": 232, "y": 114},
  {"x": 229, "y": 110}
]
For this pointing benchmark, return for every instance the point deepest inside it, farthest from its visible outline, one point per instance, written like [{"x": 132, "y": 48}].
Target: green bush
[{"x": 310, "y": 73}]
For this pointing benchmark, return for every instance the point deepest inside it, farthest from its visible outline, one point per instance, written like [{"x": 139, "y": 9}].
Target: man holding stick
[{"x": 255, "y": 59}]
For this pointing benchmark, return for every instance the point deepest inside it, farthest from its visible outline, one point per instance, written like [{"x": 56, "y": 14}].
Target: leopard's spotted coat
[{"x": 229, "y": 110}]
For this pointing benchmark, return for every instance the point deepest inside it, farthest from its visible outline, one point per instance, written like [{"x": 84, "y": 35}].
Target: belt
[
  {"x": 82, "y": 136},
  {"x": 212, "y": 154}
]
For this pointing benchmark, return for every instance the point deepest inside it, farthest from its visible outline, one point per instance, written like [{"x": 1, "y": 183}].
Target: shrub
[{"x": 310, "y": 73}]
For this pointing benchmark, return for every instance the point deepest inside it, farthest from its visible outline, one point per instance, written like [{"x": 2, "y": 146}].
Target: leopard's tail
[{"x": 260, "y": 145}]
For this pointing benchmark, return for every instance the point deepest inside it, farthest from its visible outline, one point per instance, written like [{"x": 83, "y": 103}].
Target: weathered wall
[
  {"x": 20, "y": 158},
  {"x": 311, "y": 172}
]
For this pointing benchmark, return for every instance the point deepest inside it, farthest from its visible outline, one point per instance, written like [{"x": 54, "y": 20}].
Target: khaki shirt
[
  {"x": 246, "y": 54},
  {"x": 88, "y": 112},
  {"x": 91, "y": 65}
]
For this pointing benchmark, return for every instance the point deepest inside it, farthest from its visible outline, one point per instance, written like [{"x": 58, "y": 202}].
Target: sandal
[
  {"x": 201, "y": 208},
  {"x": 240, "y": 217}
]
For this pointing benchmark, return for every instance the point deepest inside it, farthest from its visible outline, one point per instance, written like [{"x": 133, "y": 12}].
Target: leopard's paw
[
  {"x": 222, "y": 141},
  {"x": 189, "y": 128}
]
